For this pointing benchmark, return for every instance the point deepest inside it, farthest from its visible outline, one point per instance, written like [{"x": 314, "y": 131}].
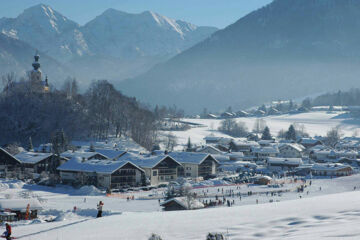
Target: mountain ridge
[{"x": 287, "y": 49}]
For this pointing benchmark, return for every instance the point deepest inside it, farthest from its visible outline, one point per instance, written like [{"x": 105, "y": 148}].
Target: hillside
[{"x": 288, "y": 49}]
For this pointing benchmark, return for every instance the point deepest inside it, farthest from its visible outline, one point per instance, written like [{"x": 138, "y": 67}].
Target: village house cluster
[
  {"x": 302, "y": 157},
  {"x": 106, "y": 166}
]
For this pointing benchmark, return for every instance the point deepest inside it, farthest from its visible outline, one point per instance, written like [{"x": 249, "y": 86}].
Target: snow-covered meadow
[
  {"x": 327, "y": 208},
  {"x": 315, "y": 123}
]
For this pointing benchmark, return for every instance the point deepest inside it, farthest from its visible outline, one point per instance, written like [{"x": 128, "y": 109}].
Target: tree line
[{"x": 100, "y": 112}]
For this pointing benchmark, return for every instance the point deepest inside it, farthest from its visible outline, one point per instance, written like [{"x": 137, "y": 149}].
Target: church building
[{"x": 37, "y": 84}]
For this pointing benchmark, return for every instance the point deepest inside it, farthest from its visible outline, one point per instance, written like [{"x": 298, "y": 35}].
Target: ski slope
[
  {"x": 315, "y": 123},
  {"x": 326, "y": 217},
  {"x": 330, "y": 212}
]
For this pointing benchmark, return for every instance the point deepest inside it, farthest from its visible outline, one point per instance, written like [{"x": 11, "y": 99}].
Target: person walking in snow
[
  {"x": 7, "y": 233},
  {"x": 99, "y": 208}
]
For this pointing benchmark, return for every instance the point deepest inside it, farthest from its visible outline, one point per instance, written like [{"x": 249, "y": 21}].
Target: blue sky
[{"x": 219, "y": 13}]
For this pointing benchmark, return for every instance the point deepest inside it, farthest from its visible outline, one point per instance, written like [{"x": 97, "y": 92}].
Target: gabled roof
[
  {"x": 11, "y": 156},
  {"x": 209, "y": 147},
  {"x": 111, "y": 153},
  {"x": 32, "y": 157},
  {"x": 86, "y": 155},
  {"x": 190, "y": 157},
  {"x": 145, "y": 162},
  {"x": 295, "y": 146},
  {"x": 285, "y": 161},
  {"x": 330, "y": 167},
  {"x": 94, "y": 165},
  {"x": 192, "y": 204},
  {"x": 266, "y": 150}
]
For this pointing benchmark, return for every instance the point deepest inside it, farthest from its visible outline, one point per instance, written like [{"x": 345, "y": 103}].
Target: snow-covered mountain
[
  {"x": 289, "y": 48},
  {"x": 119, "y": 44},
  {"x": 116, "y": 33},
  {"x": 47, "y": 30}
]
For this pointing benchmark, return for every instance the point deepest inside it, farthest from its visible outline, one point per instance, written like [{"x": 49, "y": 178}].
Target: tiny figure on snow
[
  {"x": 7, "y": 233},
  {"x": 99, "y": 208}
]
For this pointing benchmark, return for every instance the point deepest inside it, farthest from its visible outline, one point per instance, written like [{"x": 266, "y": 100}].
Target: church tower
[
  {"x": 36, "y": 74},
  {"x": 37, "y": 84}
]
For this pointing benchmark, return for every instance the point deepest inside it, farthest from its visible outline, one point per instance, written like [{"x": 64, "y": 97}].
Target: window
[
  {"x": 154, "y": 173},
  {"x": 188, "y": 174}
]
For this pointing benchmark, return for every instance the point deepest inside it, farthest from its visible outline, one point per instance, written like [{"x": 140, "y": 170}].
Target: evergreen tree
[
  {"x": 291, "y": 105},
  {"x": 266, "y": 135},
  {"x": 92, "y": 148},
  {"x": 30, "y": 146},
  {"x": 189, "y": 145},
  {"x": 291, "y": 133}
]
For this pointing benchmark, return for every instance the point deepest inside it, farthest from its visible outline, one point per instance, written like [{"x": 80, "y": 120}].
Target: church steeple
[{"x": 36, "y": 64}]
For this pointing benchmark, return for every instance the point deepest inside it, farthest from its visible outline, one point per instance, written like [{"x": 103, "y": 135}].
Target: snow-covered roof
[
  {"x": 221, "y": 157},
  {"x": 245, "y": 143},
  {"x": 296, "y": 146},
  {"x": 76, "y": 164},
  {"x": 32, "y": 157},
  {"x": 285, "y": 161},
  {"x": 330, "y": 167},
  {"x": 6, "y": 152},
  {"x": 182, "y": 201},
  {"x": 111, "y": 153},
  {"x": 235, "y": 154},
  {"x": 190, "y": 157},
  {"x": 145, "y": 161},
  {"x": 82, "y": 154},
  {"x": 20, "y": 204},
  {"x": 207, "y": 147},
  {"x": 308, "y": 140},
  {"x": 212, "y": 138},
  {"x": 266, "y": 150}
]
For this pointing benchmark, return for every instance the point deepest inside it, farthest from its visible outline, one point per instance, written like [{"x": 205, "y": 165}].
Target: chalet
[
  {"x": 209, "y": 149},
  {"x": 291, "y": 150},
  {"x": 262, "y": 180},
  {"x": 350, "y": 143},
  {"x": 20, "y": 207},
  {"x": 331, "y": 155},
  {"x": 259, "y": 112},
  {"x": 242, "y": 114},
  {"x": 83, "y": 155},
  {"x": 227, "y": 115},
  {"x": 211, "y": 139},
  {"x": 110, "y": 153},
  {"x": 331, "y": 169},
  {"x": 211, "y": 116},
  {"x": 262, "y": 153},
  {"x": 101, "y": 173},
  {"x": 243, "y": 146},
  {"x": 283, "y": 164},
  {"x": 158, "y": 169},
  {"x": 181, "y": 203},
  {"x": 8, "y": 162},
  {"x": 309, "y": 142},
  {"x": 34, "y": 163},
  {"x": 196, "y": 164},
  {"x": 273, "y": 111}
]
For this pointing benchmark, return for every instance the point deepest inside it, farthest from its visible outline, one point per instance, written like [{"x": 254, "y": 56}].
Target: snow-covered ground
[
  {"x": 328, "y": 208},
  {"x": 315, "y": 123}
]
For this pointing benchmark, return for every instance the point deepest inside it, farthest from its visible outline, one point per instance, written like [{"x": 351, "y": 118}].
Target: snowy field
[
  {"x": 328, "y": 208},
  {"x": 315, "y": 123}
]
